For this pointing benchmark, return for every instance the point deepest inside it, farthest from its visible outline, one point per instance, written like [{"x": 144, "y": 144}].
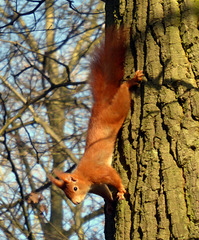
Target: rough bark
[{"x": 157, "y": 151}]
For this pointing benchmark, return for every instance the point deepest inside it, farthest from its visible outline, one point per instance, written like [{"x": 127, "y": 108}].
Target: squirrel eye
[{"x": 75, "y": 188}]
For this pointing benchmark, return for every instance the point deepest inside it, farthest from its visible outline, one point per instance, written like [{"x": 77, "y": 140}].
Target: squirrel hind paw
[
  {"x": 138, "y": 76},
  {"x": 120, "y": 195},
  {"x": 137, "y": 79}
]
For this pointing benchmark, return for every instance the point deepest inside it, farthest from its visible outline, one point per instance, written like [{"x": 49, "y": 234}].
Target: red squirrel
[{"x": 111, "y": 105}]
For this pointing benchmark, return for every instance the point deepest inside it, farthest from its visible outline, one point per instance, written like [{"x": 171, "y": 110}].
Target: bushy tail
[{"x": 107, "y": 66}]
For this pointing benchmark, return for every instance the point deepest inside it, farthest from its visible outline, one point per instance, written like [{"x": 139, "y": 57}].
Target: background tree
[
  {"x": 45, "y": 104},
  {"x": 157, "y": 151}
]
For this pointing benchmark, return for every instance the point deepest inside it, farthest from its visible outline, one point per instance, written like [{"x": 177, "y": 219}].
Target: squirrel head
[{"x": 74, "y": 188}]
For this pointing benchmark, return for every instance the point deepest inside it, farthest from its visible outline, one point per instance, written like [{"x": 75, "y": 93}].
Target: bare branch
[{"x": 17, "y": 15}]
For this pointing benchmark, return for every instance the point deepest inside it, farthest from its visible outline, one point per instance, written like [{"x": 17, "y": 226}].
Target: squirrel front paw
[{"x": 120, "y": 194}]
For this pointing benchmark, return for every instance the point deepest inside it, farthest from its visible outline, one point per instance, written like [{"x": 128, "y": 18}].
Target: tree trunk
[
  {"x": 157, "y": 152},
  {"x": 55, "y": 112}
]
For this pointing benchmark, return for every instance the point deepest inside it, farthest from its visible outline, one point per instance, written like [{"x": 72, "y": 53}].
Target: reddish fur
[
  {"x": 107, "y": 67},
  {"x": 110, "y": 108}
]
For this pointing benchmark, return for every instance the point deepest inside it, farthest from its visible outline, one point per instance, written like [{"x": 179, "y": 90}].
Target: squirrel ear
[
  {"x": 63, "y": 176},
  {"x": 58, "y": 183},
  {"x": 73, "y": 179}
]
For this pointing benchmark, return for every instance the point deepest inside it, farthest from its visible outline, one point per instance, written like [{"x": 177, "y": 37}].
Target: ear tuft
[
  {"x": 58, "y": 183},
  {"x": 73, "y": 179},
  {"x": 63, "y": 176}
]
